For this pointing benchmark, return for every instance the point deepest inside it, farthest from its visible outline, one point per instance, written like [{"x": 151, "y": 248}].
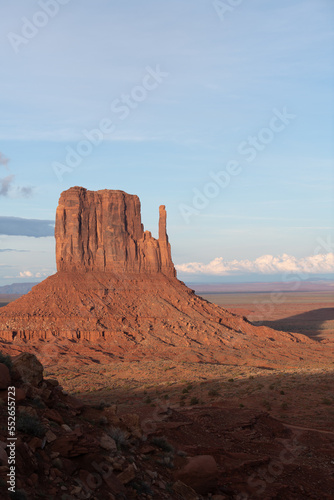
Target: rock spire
[{"x": 102, "y": 231}]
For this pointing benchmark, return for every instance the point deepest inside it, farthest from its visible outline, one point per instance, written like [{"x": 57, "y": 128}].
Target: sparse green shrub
[
  {"x": 101, "y": 405},
  {"x": 120, "y": 437},
  {"x": 213, "y": 393},
  {"x": 231, "y": 380},
  {"x": 282, "y": 393},
  {"x": 194, "y": 401},
  {"x": 166, "y": 462},
  {"x": 103, "y": 421},
  {"x": 185, "y": 391},
  {"x": 60, "y": 404},
  {"x": 141, "y": 487},
  {"x": 284, "y": 406},
  {"x": 30, "y": 425},
  {"x": 37, "y": 402},
  {"x": 162, "y": 443},
  {"x": 267, "y": 405},
  {"x": 169, "y": 488},
  {"x": 148, "y": 400},
  {"x": 326, "y": 401}
]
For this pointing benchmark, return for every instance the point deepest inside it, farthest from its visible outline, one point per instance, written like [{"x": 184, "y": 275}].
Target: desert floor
[
  {"x": 300, "y": 396},
  {"x": 270, "y": 430}
]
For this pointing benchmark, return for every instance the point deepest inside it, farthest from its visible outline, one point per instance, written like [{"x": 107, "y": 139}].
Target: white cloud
[
  {"x": 266, "y": 264},
  {"x": 29, "y": 274},
  {"x": 25, "y": 274}
]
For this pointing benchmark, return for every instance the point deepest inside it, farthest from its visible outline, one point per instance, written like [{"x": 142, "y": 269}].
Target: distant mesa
[{"x": 116, "y": 294}]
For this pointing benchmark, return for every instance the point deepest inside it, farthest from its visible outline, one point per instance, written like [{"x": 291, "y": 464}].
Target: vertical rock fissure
[{"x": 102, "y": 231}]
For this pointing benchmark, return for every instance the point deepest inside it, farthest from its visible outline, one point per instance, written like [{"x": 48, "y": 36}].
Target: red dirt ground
[{"x": 269, "y": 426}]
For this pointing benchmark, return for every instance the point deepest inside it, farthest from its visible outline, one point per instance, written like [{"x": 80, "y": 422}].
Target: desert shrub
[
  {"x": 38, "y": 403},
  {"x": 213, "y": 393},
  {"x": 60, "y": 404},
  {"x": 120, "y": 437},
  {"x": 6, "y": 360},
  {"x": 282, "y": 393},
  {"x": 326, "y": 401},
  {"x": 267, "y": 405},
  {"x": 30, "y": 425},
  {"x": 101, "y": 405},
  {"x": 169, "y": 487},
  {"x": 194, "y": 401},
  {"x": 166, "y": 462},
  {"x": 162, "y": 443},
  {"x": 141, "y": 487},
  {"x": 231, "y": 380}
]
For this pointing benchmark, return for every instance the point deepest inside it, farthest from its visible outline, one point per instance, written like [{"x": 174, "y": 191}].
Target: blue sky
[{"x": 224, "y": 74}]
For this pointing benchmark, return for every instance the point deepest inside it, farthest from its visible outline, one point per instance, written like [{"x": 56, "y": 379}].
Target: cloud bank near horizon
[
  {"x": 266, "y": 264},
  {"x": 16, "y": 226}
]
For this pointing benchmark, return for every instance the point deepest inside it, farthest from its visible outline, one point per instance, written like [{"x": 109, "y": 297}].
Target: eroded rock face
[
  {"x": 29, "y": 368},
  {"x": 116, "y": 287},
  {"x": 201, "y": 473},
  {"x": 102, "y": 231}
]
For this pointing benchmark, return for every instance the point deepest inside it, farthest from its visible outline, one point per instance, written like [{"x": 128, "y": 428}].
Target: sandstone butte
[{"x": 116, "y": 292}]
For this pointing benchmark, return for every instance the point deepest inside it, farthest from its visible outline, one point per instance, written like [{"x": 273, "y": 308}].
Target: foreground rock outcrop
[
  {"x": 65, "y": 449},
  {"x": 116, "y": 288},
  {"x": 70, "y": 449}
]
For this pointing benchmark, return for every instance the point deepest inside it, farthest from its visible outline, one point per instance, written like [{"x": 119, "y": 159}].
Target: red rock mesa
[
  {"x": 102, "y": 231},
  {"x": 116, "y": 288}
]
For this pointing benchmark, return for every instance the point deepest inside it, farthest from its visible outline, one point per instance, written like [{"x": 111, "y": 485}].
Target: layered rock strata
[
  {"x": 116, "y": 293},
  {"x": 102, "y": 231}
]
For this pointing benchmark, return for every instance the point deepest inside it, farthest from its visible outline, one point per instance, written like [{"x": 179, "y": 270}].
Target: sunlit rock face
[{"x": 102, "y": 231}]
